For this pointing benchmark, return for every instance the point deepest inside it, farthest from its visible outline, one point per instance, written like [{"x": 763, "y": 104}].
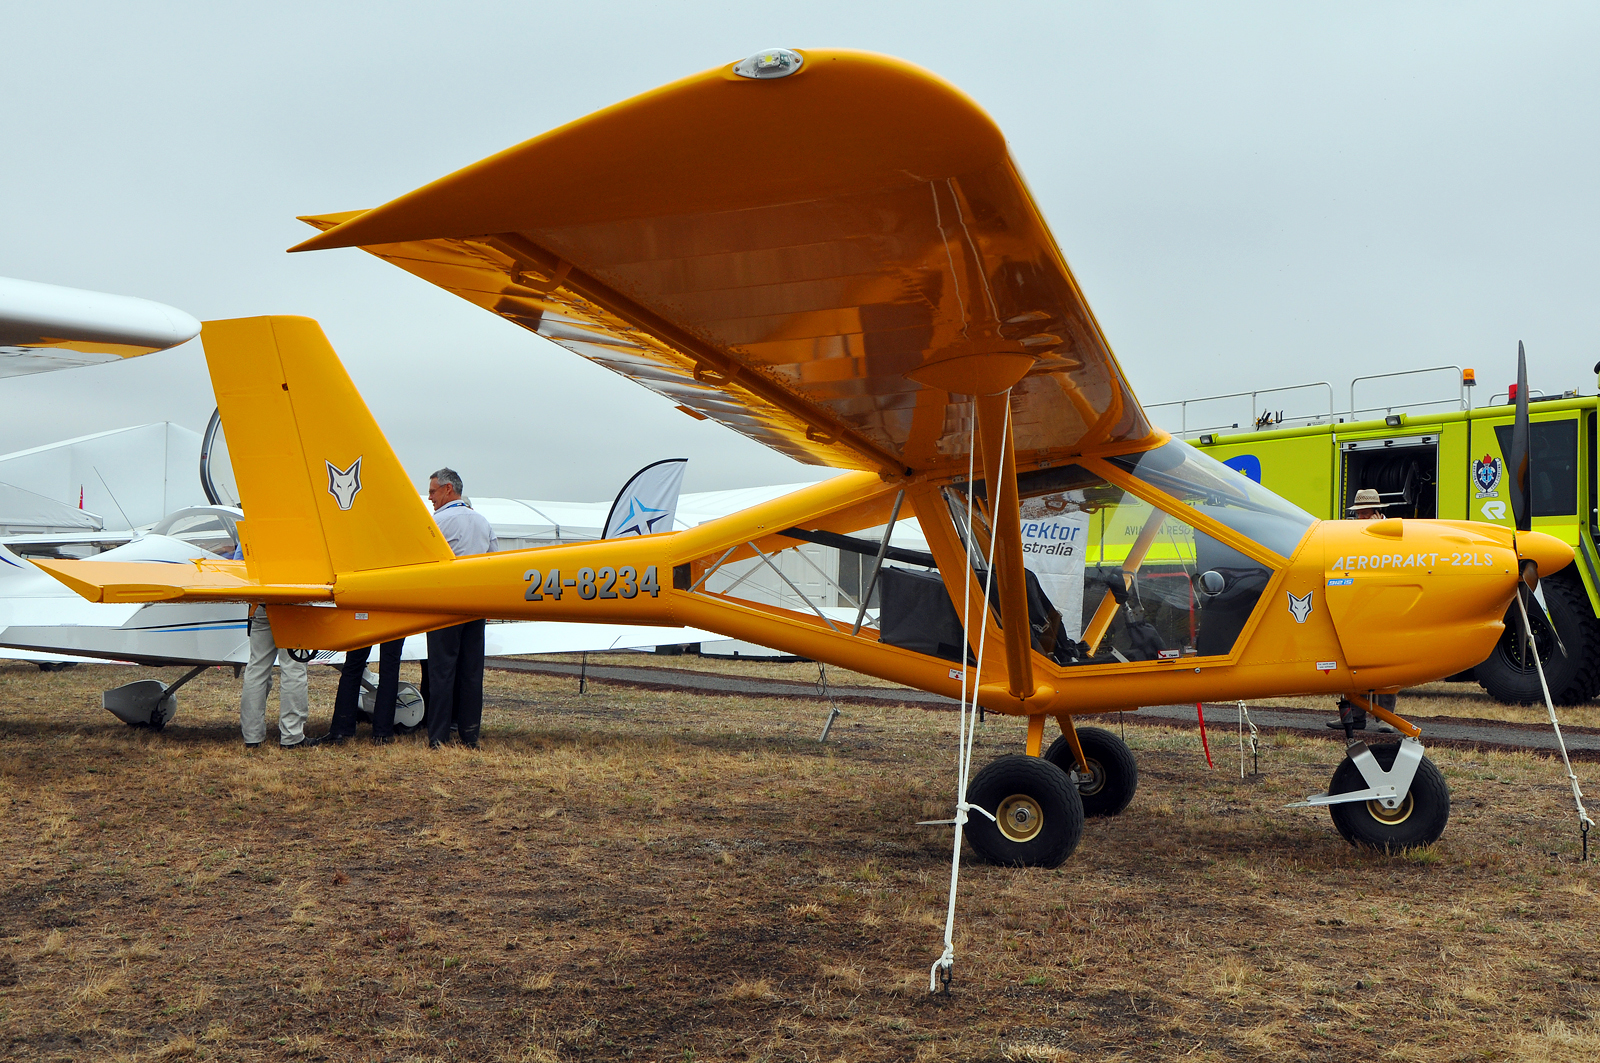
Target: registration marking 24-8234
[{"x": 590, "y": 584}]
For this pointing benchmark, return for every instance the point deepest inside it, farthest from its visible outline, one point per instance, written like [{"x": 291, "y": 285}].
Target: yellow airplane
[{"x": 833, "y": 253}]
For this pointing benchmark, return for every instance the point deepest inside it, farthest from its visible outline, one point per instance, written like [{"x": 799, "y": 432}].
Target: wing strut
[{"x": 1000, "y": 472}]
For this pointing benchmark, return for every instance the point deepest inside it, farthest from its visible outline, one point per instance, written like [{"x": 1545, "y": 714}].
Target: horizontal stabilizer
[{"x": 194, "y": 581}]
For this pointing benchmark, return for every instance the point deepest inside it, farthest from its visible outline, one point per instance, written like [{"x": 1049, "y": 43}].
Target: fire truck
[{"x": 1444, "y": 459}]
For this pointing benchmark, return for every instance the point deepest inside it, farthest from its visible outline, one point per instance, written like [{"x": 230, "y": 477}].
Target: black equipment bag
[{"x": 916, "y": 613}]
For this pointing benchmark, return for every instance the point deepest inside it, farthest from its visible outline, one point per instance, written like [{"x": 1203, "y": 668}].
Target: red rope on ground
[{"x": 1201, "y": 713}]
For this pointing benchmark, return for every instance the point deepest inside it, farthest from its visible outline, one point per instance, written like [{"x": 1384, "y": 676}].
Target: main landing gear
[
  {"x": 1038, "y": 816},
  {"x": 1388, "y": 797},
  {"x": 1113, "y": 775},
  {"x": 1039, "y": 803}
]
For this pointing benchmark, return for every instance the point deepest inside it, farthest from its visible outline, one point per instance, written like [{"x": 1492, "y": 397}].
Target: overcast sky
[{"x": 1251, "y": 195}]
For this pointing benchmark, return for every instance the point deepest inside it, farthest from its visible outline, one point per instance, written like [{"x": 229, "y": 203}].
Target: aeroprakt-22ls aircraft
[{"x": 834, "y": 254}]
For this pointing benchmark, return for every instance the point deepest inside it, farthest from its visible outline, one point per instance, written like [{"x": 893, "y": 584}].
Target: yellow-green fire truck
[{"x": 1452, "y": 465}]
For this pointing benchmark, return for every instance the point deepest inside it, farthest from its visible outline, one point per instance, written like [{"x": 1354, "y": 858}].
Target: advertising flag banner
[{"x": 648, "y": 502}]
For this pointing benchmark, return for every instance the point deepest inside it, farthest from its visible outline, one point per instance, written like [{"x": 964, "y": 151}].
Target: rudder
[{"x": 322, "y": 489}]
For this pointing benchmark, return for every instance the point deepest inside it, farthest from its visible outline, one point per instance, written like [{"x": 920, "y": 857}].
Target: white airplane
[
  {"x": 44, "y": 327},
  {"x": 41, "y": 620}
]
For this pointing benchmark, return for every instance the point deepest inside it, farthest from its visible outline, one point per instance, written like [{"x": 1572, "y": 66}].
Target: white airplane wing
[
  {"x": 45, "y": 327},
  {"x": 158, "y": 634}
]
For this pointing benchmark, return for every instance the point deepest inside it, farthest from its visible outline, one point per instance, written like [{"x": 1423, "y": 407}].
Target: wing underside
[{"x": 781, "y": 257}]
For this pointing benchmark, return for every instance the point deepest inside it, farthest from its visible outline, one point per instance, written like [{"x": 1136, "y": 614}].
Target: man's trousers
[
  {"x": 348, "y": 701},
  {"x": 455, "y": 682},
  {"x": 292, "y": 707}
]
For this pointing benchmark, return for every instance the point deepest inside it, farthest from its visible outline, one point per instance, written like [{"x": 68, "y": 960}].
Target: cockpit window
[
  {"x": 1227, "y": 496},
  {"x": 209, "y": 531},
  {"x": 1113, "y": 579},
  {"x": 1153, "y": 586}
]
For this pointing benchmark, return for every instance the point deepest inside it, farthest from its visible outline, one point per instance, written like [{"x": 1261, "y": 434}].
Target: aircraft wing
[
  {"x": 171, "y": 634},
  {"x": 157, "y": 634},
  {"x": 45, "y": 327},
  {"x": 792, "y": 257}
]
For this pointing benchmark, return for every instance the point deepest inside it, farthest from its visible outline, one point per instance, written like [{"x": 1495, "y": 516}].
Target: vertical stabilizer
[{"x": 322, "y": 489}]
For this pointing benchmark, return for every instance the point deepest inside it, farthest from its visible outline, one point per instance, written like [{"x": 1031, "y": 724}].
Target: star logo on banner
[{"x": 638, "y": 520}]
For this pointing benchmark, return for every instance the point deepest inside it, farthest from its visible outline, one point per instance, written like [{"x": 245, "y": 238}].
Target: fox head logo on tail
[
  {"x": 344, "y": 484},
  {"x": 1300, "y": 607}
]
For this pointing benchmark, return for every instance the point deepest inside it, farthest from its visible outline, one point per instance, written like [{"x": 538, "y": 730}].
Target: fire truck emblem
[{"x": 1486, "y": 474}]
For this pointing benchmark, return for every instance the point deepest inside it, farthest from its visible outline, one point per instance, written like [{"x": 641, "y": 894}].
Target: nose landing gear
[{"x": 1387, "y": 797}]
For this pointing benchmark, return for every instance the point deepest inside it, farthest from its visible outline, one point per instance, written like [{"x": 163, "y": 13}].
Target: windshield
[
  {"x": 1223, "y": 494},
  {"x": 211, "y": 530}
]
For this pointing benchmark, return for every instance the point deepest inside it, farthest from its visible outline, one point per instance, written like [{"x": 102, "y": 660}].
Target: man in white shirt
[{"x": 455, "y": 654}]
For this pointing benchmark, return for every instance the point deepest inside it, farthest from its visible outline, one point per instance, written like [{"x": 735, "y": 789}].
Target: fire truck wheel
[
  {"x": 1038, "y": 815},
  {"x": 1113, "y": 773},
  {"x": 1509, "y": 676},
  {"x": 1418, "y": 821}
]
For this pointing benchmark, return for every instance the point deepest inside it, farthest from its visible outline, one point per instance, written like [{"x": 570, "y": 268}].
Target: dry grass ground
[{"x": 639, "y": 875}]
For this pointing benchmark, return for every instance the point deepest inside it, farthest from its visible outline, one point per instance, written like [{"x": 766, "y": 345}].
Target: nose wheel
[
  {"x": 1416, "y": 821},
  {"x": 1387, "y": 797},
  {"x": 1038, "y": 816}
]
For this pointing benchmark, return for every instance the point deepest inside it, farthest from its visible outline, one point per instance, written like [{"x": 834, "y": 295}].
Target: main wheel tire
[
  {"x": 1418, "y": 822},
  {"x": 1040, "y": 815},
  {"x": 1113, "y": 773},
  {"x": 1508, "y": 674}
]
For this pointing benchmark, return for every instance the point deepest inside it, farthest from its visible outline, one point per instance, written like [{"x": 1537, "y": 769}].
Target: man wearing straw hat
[{"x": 1367, "y": 505}]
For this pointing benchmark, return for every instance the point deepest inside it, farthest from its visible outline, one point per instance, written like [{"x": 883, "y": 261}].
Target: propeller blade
[
  {"x": 1528, "y": 644},
  {"x": 1518, "y": 461},
  {"x": 1544, "y": 609}
]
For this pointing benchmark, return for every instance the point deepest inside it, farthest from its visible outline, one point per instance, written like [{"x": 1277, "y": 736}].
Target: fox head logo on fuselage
[
  {"x": 1300, "y": 607},
  {"x": 344, "y": 484}
]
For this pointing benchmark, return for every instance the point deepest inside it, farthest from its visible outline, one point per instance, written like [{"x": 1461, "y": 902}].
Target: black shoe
[
  {"x": 434, "y": 743},
  {"x": 251, "y": 745},
  {"x": 382, "y": 740},
  {"x": 329, "y": 739},
  {"x": 1359, "y": 723},
  {"x": 304, "y": 743}
]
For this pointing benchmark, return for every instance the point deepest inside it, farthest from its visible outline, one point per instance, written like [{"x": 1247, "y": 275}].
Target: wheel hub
[
  {"x": 1513, "y": 649},
  {"x": 1092, "y": 781},
  {"x": 1020, "y": 818},
  {"x": 1391, "y": 816}
]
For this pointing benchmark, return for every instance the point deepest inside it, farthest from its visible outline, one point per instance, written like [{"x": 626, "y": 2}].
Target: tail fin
[{"x": 322, "y": 489}]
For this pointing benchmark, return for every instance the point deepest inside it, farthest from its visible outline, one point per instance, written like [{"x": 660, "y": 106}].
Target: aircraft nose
[
  {"x": 1548, "y": 552},
  {"x": 1411, "y": 600}
]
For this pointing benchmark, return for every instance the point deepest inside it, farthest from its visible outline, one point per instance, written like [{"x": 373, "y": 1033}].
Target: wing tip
[{"x": 328, "y": 226}]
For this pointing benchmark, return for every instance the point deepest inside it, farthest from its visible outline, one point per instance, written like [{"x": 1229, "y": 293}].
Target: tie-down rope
[
  {"x": 1584, "y": 822},
  {"x": 1255, "y": 742},
  {"x": 967, "y": 727}
]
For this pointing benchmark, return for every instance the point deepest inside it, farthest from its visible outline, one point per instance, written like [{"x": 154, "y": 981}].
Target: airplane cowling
[{"x": 1404, "y": 592}]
